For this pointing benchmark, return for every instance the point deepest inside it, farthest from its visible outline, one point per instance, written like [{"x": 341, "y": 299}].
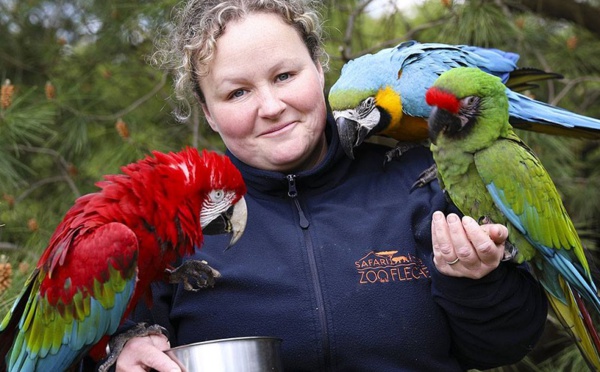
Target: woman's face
[{"x": 264, "y": 95}]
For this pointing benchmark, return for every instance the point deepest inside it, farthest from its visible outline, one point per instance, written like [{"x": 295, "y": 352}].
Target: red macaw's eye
[{"x": 442, "y": 99}]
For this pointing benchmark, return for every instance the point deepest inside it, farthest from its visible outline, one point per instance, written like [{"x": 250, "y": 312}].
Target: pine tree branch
[
  {"x": 7, "y": 245},
  {"x": 347, "y": 55},
  {"x": 570, "y": 85},
  {"x": 63, "y": 166},
  {"x": 410, "y": 35},
  {"x": 577, "y": 12},
  {"x": 194, "y": 123},
  {"x": 346, "y": 48},
  {"x": 37, "y": 185},
  {"x": 134, "y": 105}
]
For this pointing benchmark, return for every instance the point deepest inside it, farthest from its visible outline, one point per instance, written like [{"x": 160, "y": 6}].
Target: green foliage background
[{"x": 95, "y": 54}]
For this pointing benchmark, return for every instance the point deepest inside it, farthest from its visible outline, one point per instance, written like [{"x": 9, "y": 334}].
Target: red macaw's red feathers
[
  {"x": 110, "y": 247},
  {"x": 442, "y": 99},
  {"x": 105, "y": 253}
]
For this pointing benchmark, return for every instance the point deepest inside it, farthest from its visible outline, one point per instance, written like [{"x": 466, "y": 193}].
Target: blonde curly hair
[{"x": 190, "y": 45}]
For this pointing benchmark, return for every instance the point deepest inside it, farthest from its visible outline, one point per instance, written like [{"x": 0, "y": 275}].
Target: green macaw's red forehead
[{"x": 442, "y": 99}]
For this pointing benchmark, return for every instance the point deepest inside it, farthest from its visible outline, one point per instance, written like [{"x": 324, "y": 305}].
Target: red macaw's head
[{"x": 202, "y": 192}]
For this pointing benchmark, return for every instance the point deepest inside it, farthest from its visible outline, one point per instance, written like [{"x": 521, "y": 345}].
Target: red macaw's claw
[
  {"x": 194, "y": 275},
  {"x": 117, "y": 343}
]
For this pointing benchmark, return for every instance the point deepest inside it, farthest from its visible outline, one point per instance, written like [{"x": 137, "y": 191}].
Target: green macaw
[{"x": 488, "y": 172}]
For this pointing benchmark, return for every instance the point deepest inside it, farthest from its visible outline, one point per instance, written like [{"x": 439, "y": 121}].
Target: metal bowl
[{"x": 241, "y": 354}]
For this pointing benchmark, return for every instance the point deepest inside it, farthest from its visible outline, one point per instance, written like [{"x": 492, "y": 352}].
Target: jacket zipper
[
  {"x": 304, "y": 224},
  {"x": 293, "y": 194}
]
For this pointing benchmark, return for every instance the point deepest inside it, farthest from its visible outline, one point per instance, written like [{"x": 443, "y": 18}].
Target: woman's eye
[
  {"x": 284, "y": 76},
  {"x": 237, "y": 93}
]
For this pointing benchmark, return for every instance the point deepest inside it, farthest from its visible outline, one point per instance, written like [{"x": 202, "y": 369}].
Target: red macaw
[{"x": 110, "y": 246}]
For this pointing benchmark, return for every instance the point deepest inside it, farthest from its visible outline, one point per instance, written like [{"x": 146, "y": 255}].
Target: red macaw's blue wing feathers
[{"x": 72, "y": 300}]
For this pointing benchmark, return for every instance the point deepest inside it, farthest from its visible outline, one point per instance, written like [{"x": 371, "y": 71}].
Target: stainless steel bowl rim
[{"x": 233, "y": 339}]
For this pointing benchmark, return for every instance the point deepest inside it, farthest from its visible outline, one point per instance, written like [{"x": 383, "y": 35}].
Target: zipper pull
[{"x": 293, "y": 193}]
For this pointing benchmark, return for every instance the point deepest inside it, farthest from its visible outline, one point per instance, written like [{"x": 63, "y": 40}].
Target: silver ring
[{"x": 453, "y": 262}]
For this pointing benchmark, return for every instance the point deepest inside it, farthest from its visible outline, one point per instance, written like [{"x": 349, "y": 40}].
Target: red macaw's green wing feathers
[
  {"x": 544, "y": 234},
  {"x": 73, "y": 299}
]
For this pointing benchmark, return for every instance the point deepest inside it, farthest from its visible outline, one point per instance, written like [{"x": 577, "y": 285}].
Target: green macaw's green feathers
[
  {"x": 489, "y": 172},
  {"x": 530, "y": 195}
]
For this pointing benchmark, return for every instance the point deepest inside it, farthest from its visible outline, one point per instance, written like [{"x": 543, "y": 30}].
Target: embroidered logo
[{"x": 388, "y": 266}]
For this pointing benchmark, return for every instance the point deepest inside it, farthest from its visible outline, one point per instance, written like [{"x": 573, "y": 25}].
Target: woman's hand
[
  {"x": 464, "y": 248},
  {"x": 144, "y": 353}
]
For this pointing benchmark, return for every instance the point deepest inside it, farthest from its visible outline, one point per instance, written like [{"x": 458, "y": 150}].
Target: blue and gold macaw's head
[{"x": 364, "y": 99}]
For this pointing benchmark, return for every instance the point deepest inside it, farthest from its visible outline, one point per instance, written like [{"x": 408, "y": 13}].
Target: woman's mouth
[{"x": 279, "y": 129}]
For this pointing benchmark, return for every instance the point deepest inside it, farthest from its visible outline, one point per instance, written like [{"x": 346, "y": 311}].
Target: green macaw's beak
[
  {"x": 232, "y": 221},
  {"x": 441, "y": 120},
  {"x": 351, "y": 133}
]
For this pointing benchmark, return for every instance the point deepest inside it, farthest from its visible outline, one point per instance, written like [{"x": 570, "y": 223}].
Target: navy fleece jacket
[{"x": 337, "y": 262}]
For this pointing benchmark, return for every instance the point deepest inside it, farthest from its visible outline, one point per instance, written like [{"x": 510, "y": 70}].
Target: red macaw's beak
[{"x": 232, "y": 221}]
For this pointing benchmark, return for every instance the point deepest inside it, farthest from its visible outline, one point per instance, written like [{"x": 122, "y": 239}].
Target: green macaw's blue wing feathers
[{"x": 531, "y": 203}]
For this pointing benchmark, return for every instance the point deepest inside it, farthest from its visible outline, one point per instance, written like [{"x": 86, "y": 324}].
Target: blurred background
[{"x": 79, "y": 99}]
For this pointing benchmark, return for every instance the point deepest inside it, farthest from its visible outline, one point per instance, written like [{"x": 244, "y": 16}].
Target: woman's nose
[{"x": 271, "y": 105}]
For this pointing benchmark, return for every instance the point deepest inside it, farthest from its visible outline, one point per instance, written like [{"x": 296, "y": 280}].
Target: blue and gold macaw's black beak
[
  {"x": 351, "y": 132},
  {"x": 348, "y": 132}
]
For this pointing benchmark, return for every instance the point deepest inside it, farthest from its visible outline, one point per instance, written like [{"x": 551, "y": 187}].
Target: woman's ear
[
  {"x": 209, "y": 118},
  {"x": 321, "y": 75}
]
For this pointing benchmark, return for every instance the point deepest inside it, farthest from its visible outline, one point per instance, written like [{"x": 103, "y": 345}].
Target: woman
[{"x": 339, "y": 258}]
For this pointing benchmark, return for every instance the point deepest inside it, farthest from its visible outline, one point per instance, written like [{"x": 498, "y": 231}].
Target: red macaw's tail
[
  {"x": 10, "y": 325},
  {"x": 576, "y": 319}
]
